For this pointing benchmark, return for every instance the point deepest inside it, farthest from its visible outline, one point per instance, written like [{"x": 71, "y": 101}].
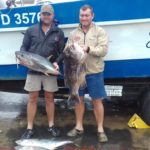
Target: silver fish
[
  {"x": 74, "y": 71},
  {"x": 36, "y": 62},
  {"x": 49, "y": 144},
  {"x": 28, "y": 148}
]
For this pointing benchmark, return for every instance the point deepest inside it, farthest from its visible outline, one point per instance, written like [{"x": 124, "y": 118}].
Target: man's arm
[
  {"x": 26, "y": 41},
  {"x": 61, "y": 46},
  {"x": 102, "y": 46}
]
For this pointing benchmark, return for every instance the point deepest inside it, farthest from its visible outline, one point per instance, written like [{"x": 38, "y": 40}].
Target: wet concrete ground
[{"x": 121, "y": 137}]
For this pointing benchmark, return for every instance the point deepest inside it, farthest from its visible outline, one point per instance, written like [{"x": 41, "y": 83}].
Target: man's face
[
  {"x": 47, "y": 18},
  {"x": 86, "y": 17}
]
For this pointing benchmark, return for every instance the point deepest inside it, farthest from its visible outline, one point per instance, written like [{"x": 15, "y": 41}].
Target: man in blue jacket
[{"x": 45, "y": 39}]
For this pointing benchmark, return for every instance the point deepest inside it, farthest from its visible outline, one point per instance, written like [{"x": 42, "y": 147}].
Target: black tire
[{"x": 145, "y": 107}]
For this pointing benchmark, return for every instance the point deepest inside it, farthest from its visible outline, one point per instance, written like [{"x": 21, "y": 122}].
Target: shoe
[
  {"x": 28, "y": 134},
  {"x": 54, "y": 131},
  {"x": 75, "y": 132},
  {"x": 102, "y": 137}
]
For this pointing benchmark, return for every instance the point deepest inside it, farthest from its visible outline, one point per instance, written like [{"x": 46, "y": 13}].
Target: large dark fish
[
  {"x": 36, "y": 62},
  {"x": 74, "y": 71}
]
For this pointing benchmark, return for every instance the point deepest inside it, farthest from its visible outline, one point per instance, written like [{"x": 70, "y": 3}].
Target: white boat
[{"x": 128, "y": 31}]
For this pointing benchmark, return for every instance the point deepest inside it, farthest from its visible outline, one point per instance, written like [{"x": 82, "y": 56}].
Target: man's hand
[
  {"x": 85, "y": 49},
  {"x": 56, "y": 65}
]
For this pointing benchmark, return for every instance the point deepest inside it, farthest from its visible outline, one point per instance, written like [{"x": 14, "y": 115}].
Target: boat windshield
[
  {"x": 3, "y": 4},
  {"x": 21, "y": 3}
]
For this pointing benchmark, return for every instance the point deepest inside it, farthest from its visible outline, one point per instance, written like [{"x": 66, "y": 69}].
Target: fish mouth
[
  {"x": 51, "y": 71},
  {"x": 18, "y": 142},
  {"x": 58, "y": 73}
]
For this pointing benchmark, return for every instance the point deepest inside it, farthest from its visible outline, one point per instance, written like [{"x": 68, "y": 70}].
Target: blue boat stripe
[
  {"x": 113, "y": 69},
  {"x": 68, "y": 13}
]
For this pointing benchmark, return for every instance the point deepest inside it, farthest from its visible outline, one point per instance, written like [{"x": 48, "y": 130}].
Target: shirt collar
[{"x": 80, "y": 26}]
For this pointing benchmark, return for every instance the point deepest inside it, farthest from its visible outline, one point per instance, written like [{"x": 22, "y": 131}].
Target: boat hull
[
  {"x": 129, "y": 39},
  {"x": 136, "y": 68}
]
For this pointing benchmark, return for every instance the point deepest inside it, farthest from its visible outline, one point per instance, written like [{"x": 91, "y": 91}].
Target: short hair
[{"x": 86, "y": 6}]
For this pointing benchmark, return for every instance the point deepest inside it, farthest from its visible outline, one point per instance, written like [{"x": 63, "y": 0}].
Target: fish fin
[
  {"x": 73, "y": 100},
  {"x": 49, "y": 57},
  {"x": 83, "y": 85},
  {"x": 78, "y": 141}
]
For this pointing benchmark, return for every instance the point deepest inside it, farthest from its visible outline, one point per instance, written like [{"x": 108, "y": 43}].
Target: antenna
[{"x": 22, "y": 3}]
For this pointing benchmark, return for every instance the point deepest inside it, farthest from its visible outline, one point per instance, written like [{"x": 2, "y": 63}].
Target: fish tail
[{"x": 73, "y": 100}]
